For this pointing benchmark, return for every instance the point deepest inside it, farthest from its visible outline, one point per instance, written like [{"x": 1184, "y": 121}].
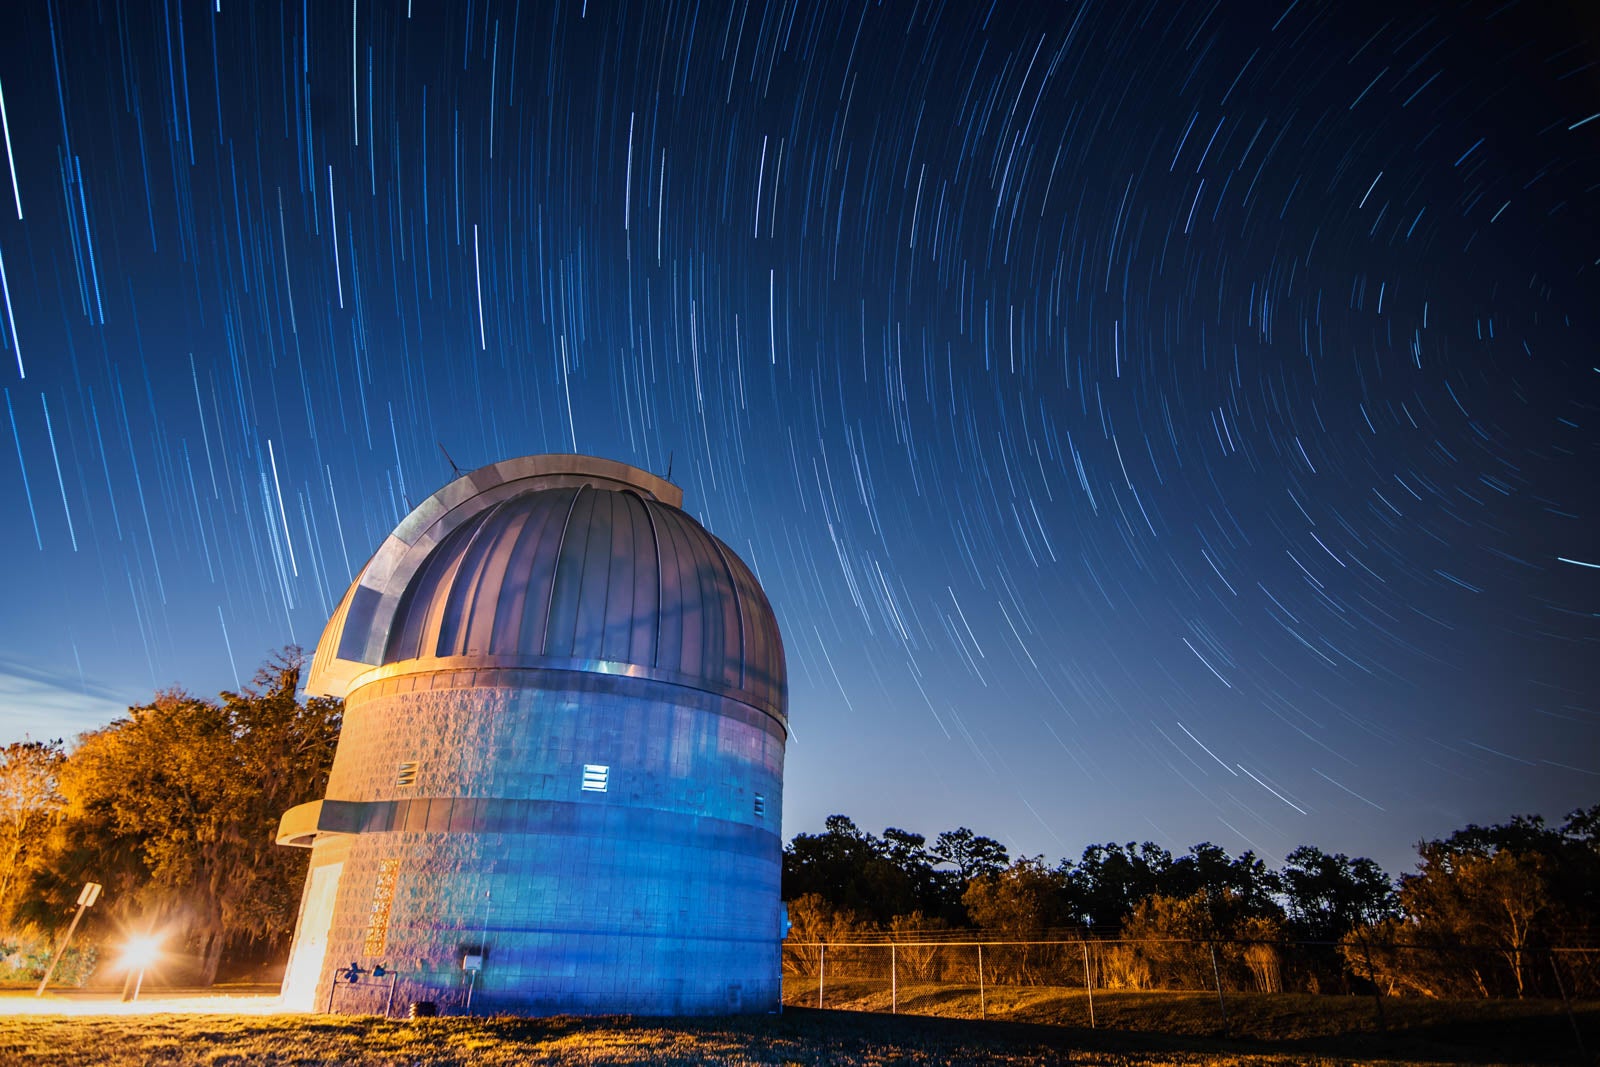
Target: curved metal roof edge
[{"x": 345, "y": 651}]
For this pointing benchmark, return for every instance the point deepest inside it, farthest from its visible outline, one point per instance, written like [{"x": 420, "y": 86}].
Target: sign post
[
  {"x": 472, "y": 963},
  {"x": 86, "y": 899},
  {"x": 1088, "y": 982}
]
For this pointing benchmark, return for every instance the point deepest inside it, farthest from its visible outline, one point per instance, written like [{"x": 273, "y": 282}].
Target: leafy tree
[
  {"x": 884, "y": 877},
  {"x": 1210, "y": 869},
  {"x": 972, "y": 855},
  {"x": 1109, "y": 881},
  {"x": 1570, "y": 855},
  {"x": 30, "y": 804},
  {"x": 174, "y": 809},
  {"x": 1481, "y": 901},
  {"x": 1019, "y": 904},
  {"x": 844, "y": 867},
  {"x": 1576, "y": 875},
  {"x": 1022, "y": 901},
  {"x": 1192, "y": 942},
  {"x": 283, "y": 759},
  {"x": 1328, "y": 898},
  {"x": 814, "y": 922},
  {"x": 906, "y": 852},
  {"x": 1330, "y": 895}
]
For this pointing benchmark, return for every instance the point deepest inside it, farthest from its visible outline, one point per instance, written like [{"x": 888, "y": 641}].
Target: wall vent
[
  {"x": 761, "y": 806},
  {"x": 596, "y": 776},
  {"x": 406, "y": 777}
]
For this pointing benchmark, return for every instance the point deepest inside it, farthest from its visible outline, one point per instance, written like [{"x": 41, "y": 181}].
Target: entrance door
[{"x": 311, "y": 939}]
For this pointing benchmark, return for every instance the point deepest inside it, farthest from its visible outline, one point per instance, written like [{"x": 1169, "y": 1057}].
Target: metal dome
[{"x": 564, "y": 563}]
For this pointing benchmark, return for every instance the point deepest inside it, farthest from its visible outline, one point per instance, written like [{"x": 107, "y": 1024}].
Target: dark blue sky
[{"x": 1169, "y": 421}]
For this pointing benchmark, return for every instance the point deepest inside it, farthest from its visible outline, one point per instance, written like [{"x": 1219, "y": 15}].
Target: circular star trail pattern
[{"x": 1168, "y": 421}]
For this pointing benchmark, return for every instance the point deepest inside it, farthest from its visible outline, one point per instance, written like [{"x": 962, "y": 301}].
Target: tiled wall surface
[{"x": 658, "y": 896}]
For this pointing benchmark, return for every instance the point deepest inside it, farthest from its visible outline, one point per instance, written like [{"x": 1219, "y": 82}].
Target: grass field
[
  {"x": 1134, "y": 1029},
  {"x": 1529, "y": 1031}
]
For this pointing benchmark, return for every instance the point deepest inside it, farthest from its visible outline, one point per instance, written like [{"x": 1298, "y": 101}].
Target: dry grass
[
  {"x": 799, "y": 1037},
  {"x": 1265, "y": 1016},
  {"x": 1510, "y": 1031}
]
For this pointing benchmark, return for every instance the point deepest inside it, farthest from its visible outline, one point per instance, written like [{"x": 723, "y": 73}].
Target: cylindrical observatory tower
[{"x": 559, "y": 780}]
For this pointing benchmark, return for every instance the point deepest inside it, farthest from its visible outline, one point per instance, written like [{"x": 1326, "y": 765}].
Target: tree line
[
  {"x": 172, "y": 808},
  {"x": 1479, "y": 916}
]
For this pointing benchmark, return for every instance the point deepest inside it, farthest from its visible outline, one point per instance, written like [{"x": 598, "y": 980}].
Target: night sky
[{"x": 1155, "y": 421}]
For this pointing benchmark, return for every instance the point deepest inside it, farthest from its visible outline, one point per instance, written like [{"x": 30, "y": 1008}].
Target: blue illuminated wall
[{"x": 659, "y": 895}]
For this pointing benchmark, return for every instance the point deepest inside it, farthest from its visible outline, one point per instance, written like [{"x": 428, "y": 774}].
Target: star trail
[{"x": 1161, "y": 420}]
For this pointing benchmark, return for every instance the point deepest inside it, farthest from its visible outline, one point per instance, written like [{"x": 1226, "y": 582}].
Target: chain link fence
[{"x": 921, "y": 971}]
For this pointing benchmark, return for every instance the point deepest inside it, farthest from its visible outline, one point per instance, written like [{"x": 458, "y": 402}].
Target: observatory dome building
[{"x": 560, "y": 775}]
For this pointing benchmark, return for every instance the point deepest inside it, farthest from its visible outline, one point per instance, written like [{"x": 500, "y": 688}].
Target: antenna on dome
[
  {"x": 669, "y": 466},
  {"x": 457, "y": 470}
]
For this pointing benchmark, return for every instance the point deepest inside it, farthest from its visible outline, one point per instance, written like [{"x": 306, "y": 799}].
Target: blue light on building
[{"x": 562, "y": 759}]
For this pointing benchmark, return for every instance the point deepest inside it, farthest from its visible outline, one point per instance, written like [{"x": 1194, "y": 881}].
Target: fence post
[
  {"x": 1216, "y": 972},
  {"x": 822, "y": 967},
  {"x": 1583, "y": 1053},
  {"x": 983, "y": 1010},
  {"x": 1088, "y": 985},
  {"x": 894, "y": 981}
]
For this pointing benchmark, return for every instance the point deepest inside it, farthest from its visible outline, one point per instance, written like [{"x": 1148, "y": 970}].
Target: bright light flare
[{"x": 140, "y": 952}]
